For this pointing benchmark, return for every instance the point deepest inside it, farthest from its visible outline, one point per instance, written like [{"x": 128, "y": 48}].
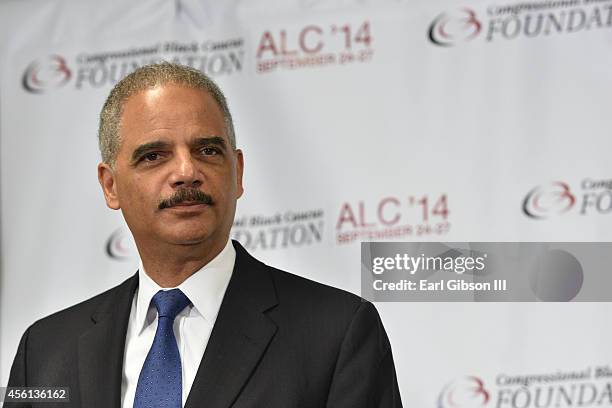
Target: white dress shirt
[{"x": 192, "y": 326}]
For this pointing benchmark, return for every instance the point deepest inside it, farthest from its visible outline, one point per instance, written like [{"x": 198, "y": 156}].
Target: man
[{"x": 202, "y": 323}]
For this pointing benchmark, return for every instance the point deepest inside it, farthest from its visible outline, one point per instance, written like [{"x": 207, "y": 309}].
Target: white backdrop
[{"x": 359, "y": 120}]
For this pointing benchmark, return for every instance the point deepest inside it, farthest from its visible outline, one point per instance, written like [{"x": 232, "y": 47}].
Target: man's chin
[{"x": 188, "y": 239}]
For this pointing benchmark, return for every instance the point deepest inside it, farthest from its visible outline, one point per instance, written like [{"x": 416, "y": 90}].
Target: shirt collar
[{"x": 205, "y": 288}]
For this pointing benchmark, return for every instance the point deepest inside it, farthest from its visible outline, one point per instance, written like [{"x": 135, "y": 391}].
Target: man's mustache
[{"x": 191, "y": 195}]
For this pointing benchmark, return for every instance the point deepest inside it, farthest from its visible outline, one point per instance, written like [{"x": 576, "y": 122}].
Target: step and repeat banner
[{"x": 400, "y": 121}]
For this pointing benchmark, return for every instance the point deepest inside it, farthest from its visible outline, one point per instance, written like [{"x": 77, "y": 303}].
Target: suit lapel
[
  {"x": 240, "y": 336},
  {"x": 101, "y": 348}
]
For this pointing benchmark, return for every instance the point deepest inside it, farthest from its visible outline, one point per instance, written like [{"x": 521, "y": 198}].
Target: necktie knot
[{"x": 169, "y": 303}]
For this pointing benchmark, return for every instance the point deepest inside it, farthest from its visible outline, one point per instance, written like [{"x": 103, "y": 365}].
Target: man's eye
[
  {"x": 149, "y": 157},
  {"x": 209, "y": 151}
]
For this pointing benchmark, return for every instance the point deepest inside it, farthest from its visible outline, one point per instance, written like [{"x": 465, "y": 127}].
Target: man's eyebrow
[
  {"x": 143, "y": 148},
  {"x": 211, "y": 140}
]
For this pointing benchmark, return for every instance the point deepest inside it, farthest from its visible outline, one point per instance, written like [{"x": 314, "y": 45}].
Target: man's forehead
[{"x": 166, "y": 107}]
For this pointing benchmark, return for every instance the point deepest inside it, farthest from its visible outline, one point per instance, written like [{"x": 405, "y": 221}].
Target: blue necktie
[{"x": 160, "y": 380}]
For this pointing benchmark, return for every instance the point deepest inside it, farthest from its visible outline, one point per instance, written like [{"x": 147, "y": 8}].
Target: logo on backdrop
[
  {"x": 46, "y": 73},
  {"x": 120, "y": 245},
  {"x": 100, "y": 69},
  {"x": 558, "y": 198},
  {"x": 519, "y": 20},
  {"x": 279, "y": 230},
  {"x": 456, "y": 26},
  {"x": 466, "y": 392},
  {"x": 585, "y": 388},
  {"x": 393, "y": 218},
  {"x": 551, "y": 199}
]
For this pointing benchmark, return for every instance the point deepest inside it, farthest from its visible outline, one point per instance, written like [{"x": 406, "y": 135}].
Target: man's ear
[
  {"x": 239, "y": 172},
  {"x": 106, "y": 177}
]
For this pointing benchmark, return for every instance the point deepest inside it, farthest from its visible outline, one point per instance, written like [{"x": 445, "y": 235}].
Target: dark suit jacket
[{"x": 279, "y": 341}]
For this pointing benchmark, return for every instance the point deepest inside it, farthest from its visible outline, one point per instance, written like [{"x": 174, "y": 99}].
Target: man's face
[{"x": 174, "y": 147}]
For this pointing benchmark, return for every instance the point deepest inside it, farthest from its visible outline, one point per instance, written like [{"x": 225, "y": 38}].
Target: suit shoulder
[
  {"x": 297, "y": 289},
  {"x": 80, "y": 313},
  {"x": 298, "y": 293}
]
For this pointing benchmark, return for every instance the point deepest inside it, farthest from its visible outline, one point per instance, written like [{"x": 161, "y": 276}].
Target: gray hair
[{"x": 147, "y": 77}]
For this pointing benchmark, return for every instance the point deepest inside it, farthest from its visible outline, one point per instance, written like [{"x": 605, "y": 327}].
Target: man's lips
[
  {"x": 188, "y": 206},
  {"x": 192, "y": 208}
]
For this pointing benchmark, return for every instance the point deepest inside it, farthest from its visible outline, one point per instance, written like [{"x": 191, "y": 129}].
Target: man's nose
[{"x": 185, "y": 172}]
